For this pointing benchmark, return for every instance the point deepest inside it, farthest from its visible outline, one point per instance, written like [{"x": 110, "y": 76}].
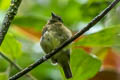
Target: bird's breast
[{"x": 49, "y": 41}]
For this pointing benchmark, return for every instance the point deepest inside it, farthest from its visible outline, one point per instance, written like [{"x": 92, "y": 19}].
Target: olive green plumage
[{"x": 53, "y": 35}]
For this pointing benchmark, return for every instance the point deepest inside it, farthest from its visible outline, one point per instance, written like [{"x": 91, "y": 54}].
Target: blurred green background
[{"x": 98, "y": 50}]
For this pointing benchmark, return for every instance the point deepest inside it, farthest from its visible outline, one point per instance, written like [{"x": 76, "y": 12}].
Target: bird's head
[{"x": 55, "y": 18}]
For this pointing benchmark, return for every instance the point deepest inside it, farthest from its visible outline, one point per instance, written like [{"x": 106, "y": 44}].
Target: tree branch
[
  {"x": 46, "y": 57},
  {"x": 10, "y": 61},
  {"x": 12, "y": 11},
  {"x": 16, "y": 66}
]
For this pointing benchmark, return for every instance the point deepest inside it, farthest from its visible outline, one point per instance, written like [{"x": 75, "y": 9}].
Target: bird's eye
[{"x": 60, "y": 19}]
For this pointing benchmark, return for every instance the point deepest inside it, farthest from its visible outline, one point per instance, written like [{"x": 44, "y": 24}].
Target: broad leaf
[
  {"x": 4, "y": 4},
  {"x": 29, "y": 21},
  {"x": 105, "y": 38},
  {"x": 3, "y": 76},
  {"x": 11, "y": 46},
  {"x": 83, "y": 65}
]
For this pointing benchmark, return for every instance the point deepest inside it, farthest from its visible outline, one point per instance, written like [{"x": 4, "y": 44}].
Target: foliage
[
  {"x": 25, "y": 50},
  {"x": 65, "y": 9},
  {"x": 83, "y": 65},
  {"x": 4, "y": 4},
  {"x": 11, "y": 47},
  {"x": 3, "y": 76},
  {"x": 103, "y": 38}
]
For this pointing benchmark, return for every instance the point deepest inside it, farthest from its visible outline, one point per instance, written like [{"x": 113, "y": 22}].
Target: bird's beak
[{"x": 53, "y": 15}]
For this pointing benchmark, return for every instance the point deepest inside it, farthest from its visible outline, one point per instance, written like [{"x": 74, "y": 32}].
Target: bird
[{"x": 54, "y": 34}]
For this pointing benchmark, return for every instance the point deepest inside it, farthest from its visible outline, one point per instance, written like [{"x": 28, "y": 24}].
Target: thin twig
[
  {"x": 46, "y": 57},
  {"x": 16, "y": 65},
  {"x": 12, "y": 11},
  {"x": 11, "y": 62}
]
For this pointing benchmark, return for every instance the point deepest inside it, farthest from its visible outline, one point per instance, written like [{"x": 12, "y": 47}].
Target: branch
[
  {"x": 10, "y": 61},
  {"x": 49, "y": 55},
  {"x": 15, "y": 65},
  {"x": 12, "y": 11}
]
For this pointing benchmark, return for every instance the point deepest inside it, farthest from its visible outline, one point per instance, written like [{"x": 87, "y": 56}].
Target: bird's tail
[{"x": 67, "y": 70}]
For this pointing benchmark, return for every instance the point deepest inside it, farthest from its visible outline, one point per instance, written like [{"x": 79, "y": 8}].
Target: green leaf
[
  {"x": 84, "y": 66},
  {"x": 11, "y": 47},
  {"x": 3, "y": 76},
  {"x": 29, "y": 21},
  {"x": 4, "y": 4},
  {"x": 105, "y": 38},
  {"x": 100, "y": 52}
]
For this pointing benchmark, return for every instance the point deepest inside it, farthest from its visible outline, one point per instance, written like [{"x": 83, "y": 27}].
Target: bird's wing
[{"x": 44, "y": 30}]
